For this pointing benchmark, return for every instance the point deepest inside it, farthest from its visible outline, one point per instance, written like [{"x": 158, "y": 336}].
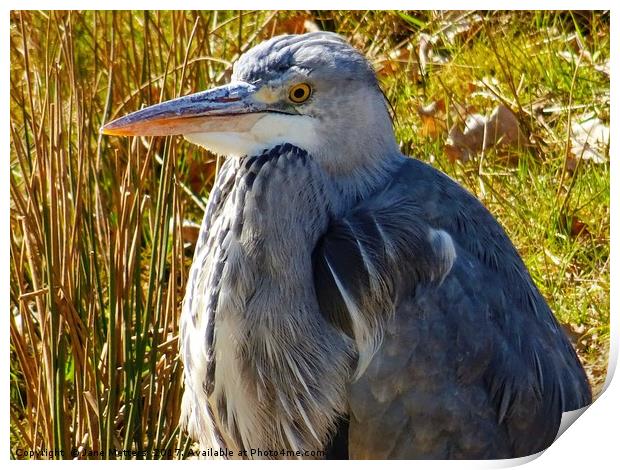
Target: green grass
[{"x": 98, "y": 262}]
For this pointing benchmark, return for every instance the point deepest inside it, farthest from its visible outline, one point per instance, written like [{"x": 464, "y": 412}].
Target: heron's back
[{"x": 473, "y": 365}]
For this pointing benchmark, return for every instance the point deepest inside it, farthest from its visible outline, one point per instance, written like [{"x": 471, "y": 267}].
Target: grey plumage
[
  {"x": 479, "y": 355},
  {"x": 348, "y": 299},
  {"x": 267, "y": 312}
]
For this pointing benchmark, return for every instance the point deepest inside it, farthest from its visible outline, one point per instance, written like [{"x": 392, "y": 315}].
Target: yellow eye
[{"x": 299, "y": 93}]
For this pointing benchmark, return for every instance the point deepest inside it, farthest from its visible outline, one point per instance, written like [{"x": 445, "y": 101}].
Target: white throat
[{"x": 265, "y": 131}]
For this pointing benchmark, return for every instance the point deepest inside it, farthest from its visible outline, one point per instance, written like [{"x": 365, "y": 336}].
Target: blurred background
[{"x": 513, "y": 105}]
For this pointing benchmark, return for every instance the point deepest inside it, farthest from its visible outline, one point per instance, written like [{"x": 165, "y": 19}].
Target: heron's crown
[{"x": 322, "y": 54}]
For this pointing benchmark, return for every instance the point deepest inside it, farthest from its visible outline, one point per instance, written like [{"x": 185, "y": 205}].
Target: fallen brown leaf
[
  {"x": 574, "y": 226},
  {"x": 433, "y": 118},
  {"x": 454, "y": 153},
  {"x": 501, "y": 128},
  {"x": 579, "y": 228}
]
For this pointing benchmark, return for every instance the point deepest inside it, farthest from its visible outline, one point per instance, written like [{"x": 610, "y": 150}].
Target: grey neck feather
[
  {"x": 280, "y": 370},
  {"x": 358, "y": 149}
]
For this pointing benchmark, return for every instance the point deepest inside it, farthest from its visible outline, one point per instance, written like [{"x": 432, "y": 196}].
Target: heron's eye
[{"x": 299, "y": 93}]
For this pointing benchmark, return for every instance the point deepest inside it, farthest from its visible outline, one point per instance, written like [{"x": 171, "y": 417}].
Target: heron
[{"x": 345, "y": 300}]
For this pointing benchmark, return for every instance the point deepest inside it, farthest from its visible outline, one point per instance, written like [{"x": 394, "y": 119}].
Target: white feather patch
[
  {"x": 366, "y": 339},
  {"x": 268, "y": 131},
  {"x": 444, "y": 249}
]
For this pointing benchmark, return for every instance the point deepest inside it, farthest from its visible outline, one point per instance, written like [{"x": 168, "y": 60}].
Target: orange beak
[{"x": 230, "y": 107}]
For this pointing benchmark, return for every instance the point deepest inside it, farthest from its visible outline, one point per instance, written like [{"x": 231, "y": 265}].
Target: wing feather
[{"x": 456, "y": 335}]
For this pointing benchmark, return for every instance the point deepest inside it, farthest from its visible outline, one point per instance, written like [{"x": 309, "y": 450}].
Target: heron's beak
[{"x": 231, "y": 108}]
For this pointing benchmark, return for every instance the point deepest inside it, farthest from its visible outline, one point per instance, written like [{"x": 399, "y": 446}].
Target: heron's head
[{"x": 314, "y": 91}]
